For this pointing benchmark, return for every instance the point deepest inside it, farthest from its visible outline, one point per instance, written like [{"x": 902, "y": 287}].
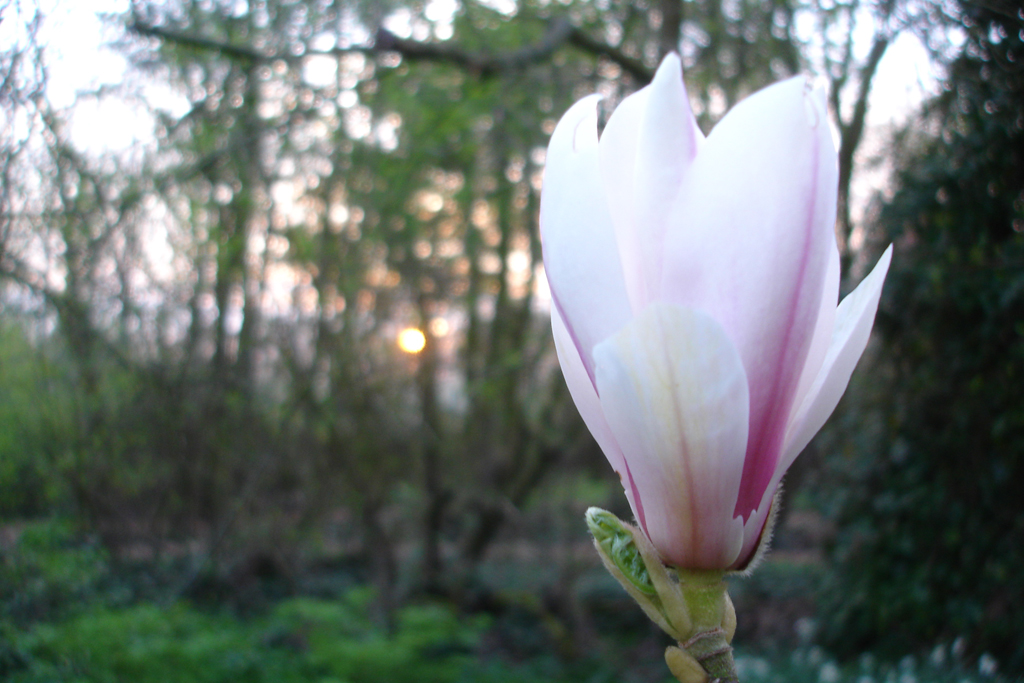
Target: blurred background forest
[{"x": 218, "y": 464}]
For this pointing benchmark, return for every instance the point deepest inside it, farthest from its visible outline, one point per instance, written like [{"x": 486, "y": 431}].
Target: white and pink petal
[
  {"x": 852, "y": 329},
  {"x": 584, "y": 395},
  {"x": 674, "y": 392},
  {"x": 854, "y": 319},
  {"x": 646, "y": 150},
  {"x": 750, "y": 243}
]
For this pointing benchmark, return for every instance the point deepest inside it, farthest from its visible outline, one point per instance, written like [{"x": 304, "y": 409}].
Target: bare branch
[
  {"x": 634, "y": 67},
  {"x": 170, "y": 35},
  {"x": 560, "y": 32}
]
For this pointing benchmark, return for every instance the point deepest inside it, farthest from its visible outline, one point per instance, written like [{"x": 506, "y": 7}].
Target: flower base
[{"x": 692, "y": 606}]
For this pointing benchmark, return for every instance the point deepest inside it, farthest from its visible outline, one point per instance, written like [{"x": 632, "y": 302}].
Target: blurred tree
[
  {"x": 392, "y": 198},
  {"x": 338, "y": 171},
  {"x": 933, "y": 533}
]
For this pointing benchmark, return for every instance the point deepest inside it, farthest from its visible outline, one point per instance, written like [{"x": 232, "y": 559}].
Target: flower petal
[
  {"x": 649, "y": 143},
  {"x": 587, "y": 403},
  {"x": 617, "y": 154},
  {"x": 580, "y": 252},
  {"x": 822, "y": 337},
  {"x": 750, "y": 241},
  {"x": 854, "y": 320},
  {"x": 672, "y": 386}
]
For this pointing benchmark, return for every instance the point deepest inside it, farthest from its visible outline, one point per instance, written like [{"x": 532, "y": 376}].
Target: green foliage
[
  {"x": 36, "y": 425},
  {"x": 148, "y": 644},
  {"x": 95, "y": 632},
  {"x": 299, "y": 640},
  {"x": 933, "y": 532},
  {"x": 430, "y": 643},
  {"x": 47, "y": 569}
]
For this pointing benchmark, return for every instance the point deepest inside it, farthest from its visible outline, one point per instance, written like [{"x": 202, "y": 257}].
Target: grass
[{"x": 66, "y": 618}]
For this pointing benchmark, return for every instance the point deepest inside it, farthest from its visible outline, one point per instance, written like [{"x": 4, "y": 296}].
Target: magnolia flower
[{"x": 694, "y": 284}]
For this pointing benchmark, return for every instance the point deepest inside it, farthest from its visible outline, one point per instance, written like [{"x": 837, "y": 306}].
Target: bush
[
  {"x": 933, "y": 530},
  {"x": 36, "y": 424},
  {"x": 299, "y": 640},
  {"x": 47, "y": 569}
]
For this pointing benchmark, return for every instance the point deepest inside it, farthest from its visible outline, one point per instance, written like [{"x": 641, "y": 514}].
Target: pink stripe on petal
[
  {"x": 674, "y": 393},
  {"x": 585, "y": 358},
  {"x": 771, "y": 402},
  {"x": 638, "y": 504},
  {"x": 852, "y": 328},
  {"x": 822, "y": 336},
  {"x": 853, "y": 322}
]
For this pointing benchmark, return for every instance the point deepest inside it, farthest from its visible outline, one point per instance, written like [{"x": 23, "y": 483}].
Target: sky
[
  {"x": 81, "y": 61},
  {"x": 74, "y": 36}
]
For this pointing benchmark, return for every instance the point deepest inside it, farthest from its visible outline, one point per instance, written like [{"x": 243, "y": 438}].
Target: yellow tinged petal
[{"x": 672, "y": 386}]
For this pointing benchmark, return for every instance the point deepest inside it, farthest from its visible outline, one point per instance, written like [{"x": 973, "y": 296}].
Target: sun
[{"x": 411, "y": 340}]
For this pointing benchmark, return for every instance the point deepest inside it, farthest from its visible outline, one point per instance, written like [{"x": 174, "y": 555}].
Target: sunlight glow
[{"x": 411, "y": 340}]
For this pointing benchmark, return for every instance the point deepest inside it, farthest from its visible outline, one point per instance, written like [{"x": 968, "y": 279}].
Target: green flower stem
[{"x": 714, "y": 622}]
